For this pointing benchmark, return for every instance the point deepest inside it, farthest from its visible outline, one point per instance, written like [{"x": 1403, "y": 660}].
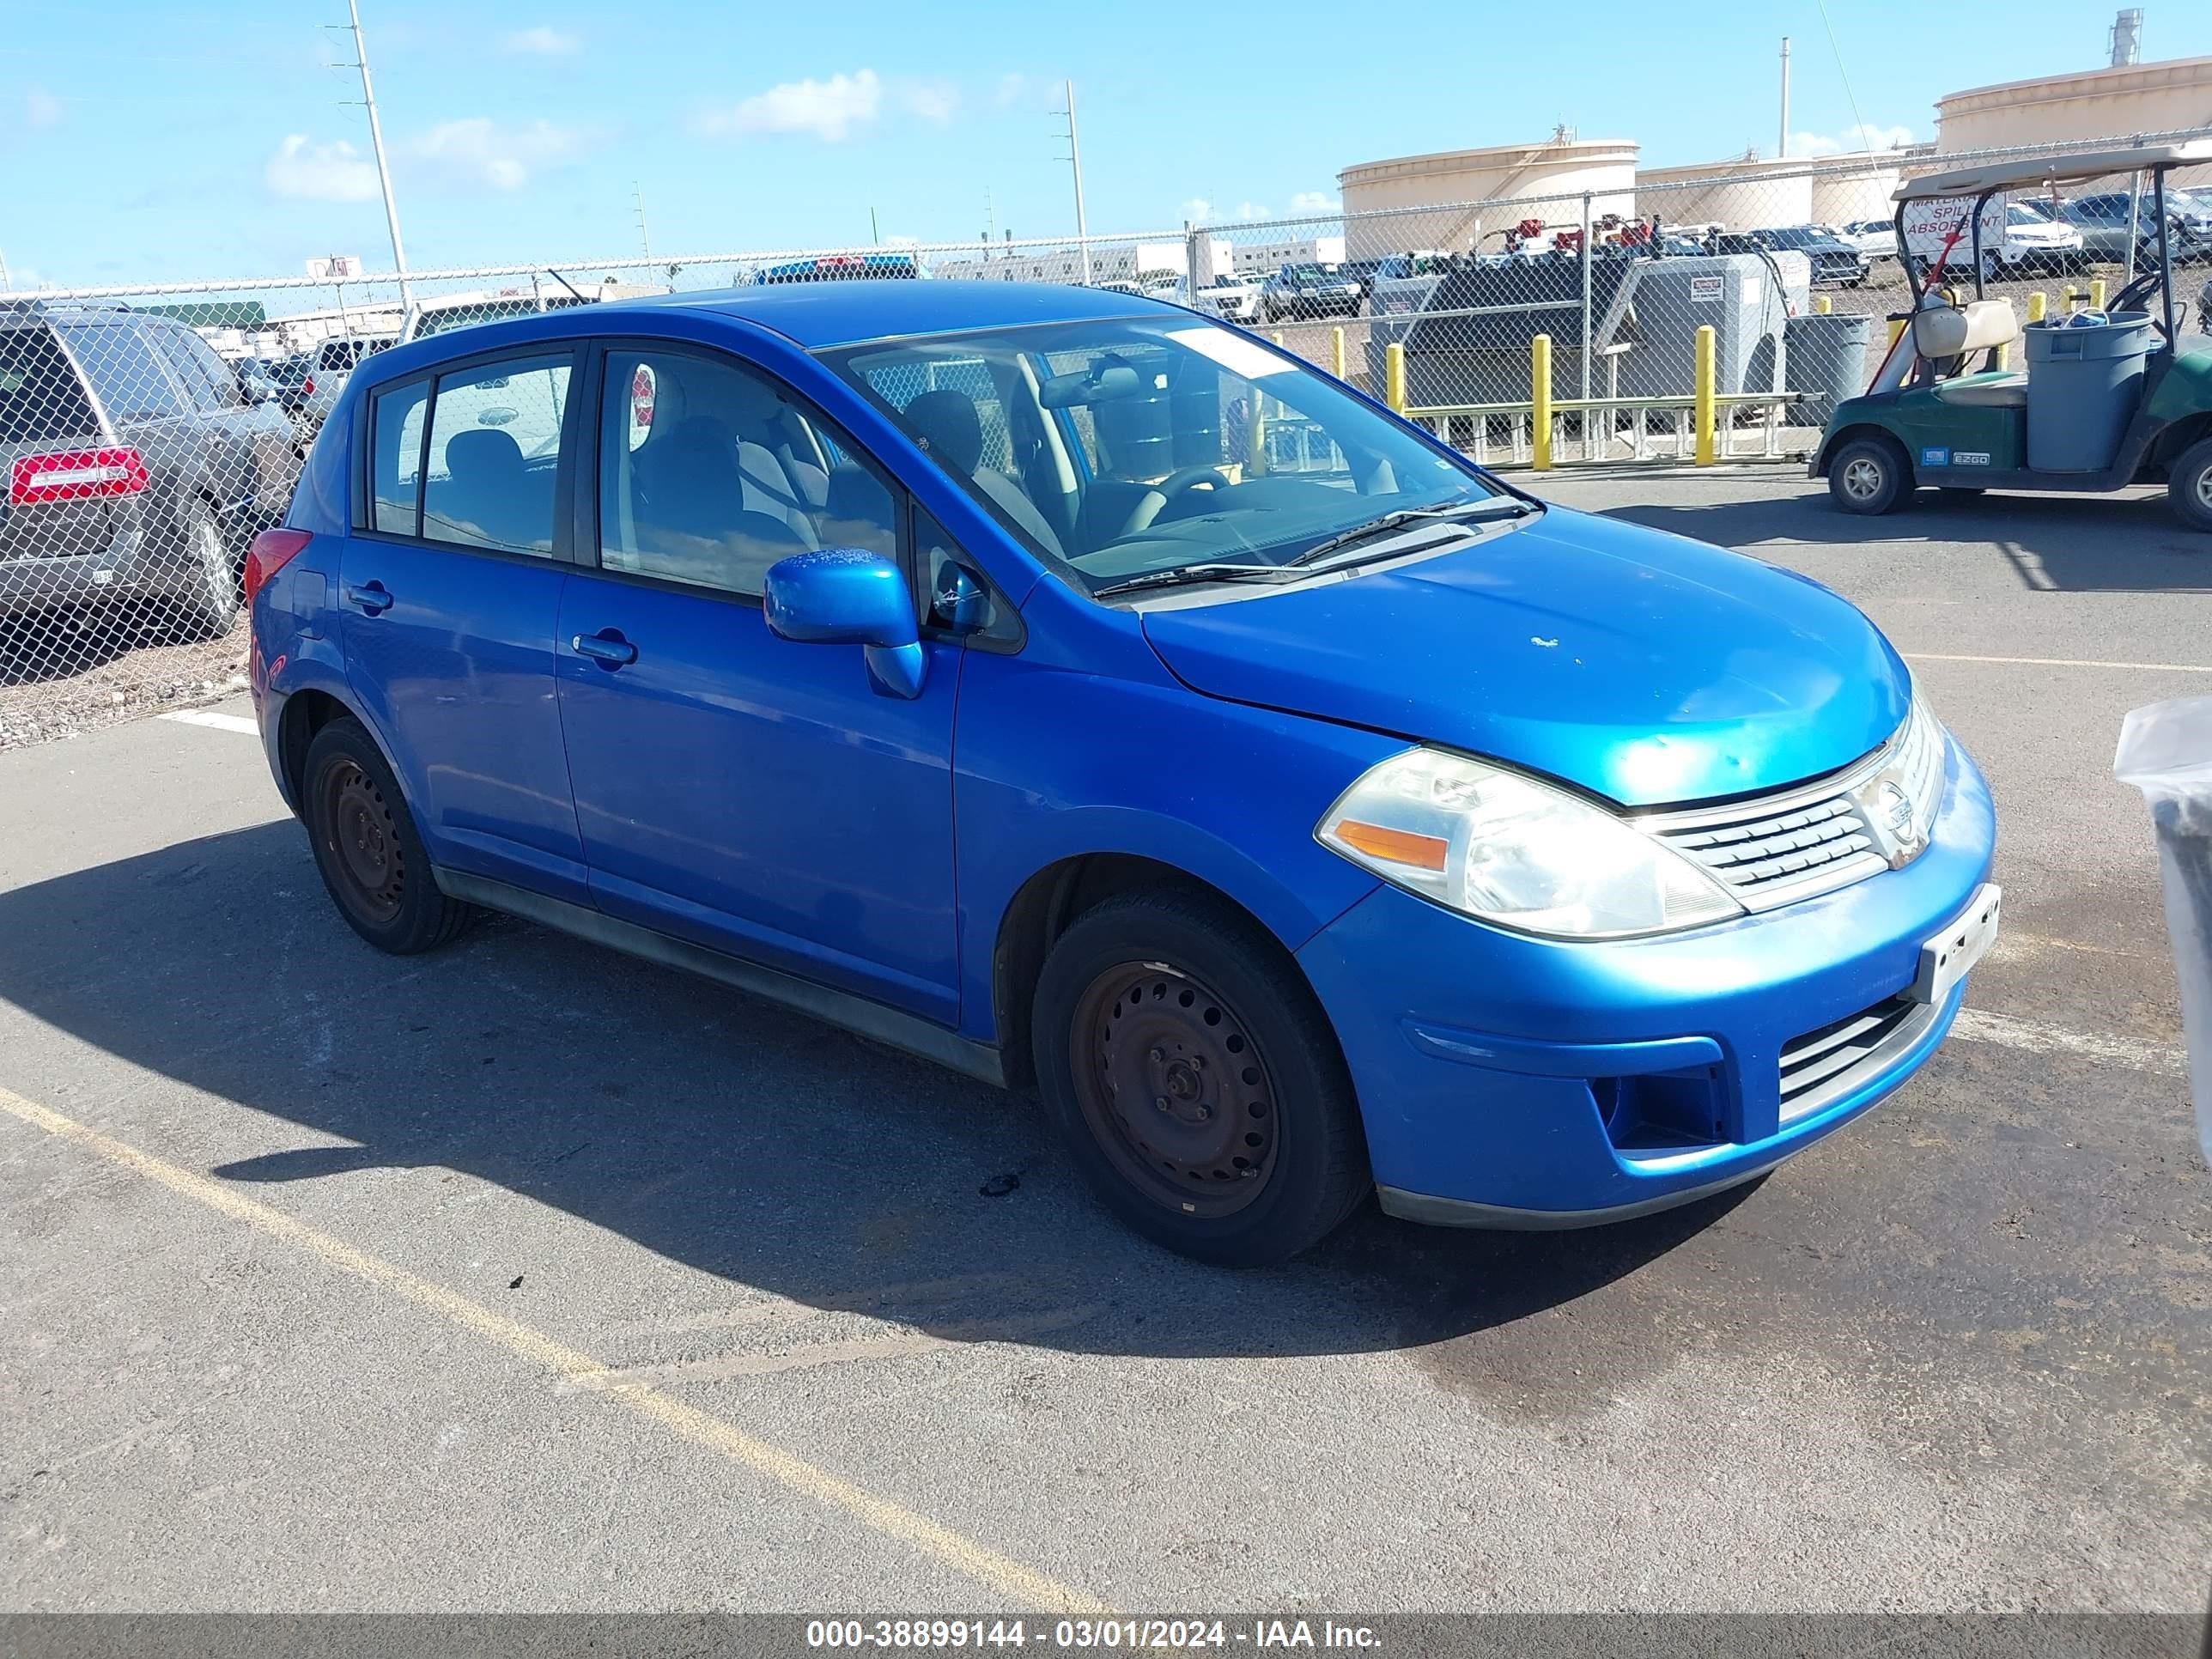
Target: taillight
[
  {"x": 76, "y": 474},
  {"x": 271, "y": 551},
  {"x": 308, "y": 387}
]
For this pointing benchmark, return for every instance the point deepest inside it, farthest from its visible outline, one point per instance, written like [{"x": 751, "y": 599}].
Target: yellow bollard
[
  {"x": 1540, "y": 400},
  {"x": 1896, "y": 328},
  {"x": 1256, "y": 440},
  {"x": 2096, "y": 294},
  {"x": 1394, "y": 377},
  {"x": 1707, "y": 448},
  {"x": 1822, "y": 305},
  {"x": 1276, "y": 336},
  {"x": 1336, "y": 351},
  {"x": 2004, "y": 357},
  {"x": 2037, "y": 305}
]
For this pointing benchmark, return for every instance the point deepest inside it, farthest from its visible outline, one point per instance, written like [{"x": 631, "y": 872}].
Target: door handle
[
  {"x": 372, "y": 597},
  {"x": 608, "y": 649}
]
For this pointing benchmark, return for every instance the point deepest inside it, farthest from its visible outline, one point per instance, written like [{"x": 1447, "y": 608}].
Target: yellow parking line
[{"x": 1008, "y": 1576}]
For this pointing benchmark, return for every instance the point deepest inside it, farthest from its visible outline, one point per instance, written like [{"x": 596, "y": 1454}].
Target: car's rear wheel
[
  {"x": 1868, "y": 476},
  {"x": 1197, "y": 1080},
  {"x": 207, "y": 598},
  {"x": 2189, "y": 486},
  {"x": 371, "y": 857}
]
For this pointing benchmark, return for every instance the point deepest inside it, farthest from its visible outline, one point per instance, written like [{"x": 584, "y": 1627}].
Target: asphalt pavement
[{"x": 521, "y": 1276}]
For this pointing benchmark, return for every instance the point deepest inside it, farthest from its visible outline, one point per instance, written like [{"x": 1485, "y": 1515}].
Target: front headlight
[{"x": 1505, "y": 848}]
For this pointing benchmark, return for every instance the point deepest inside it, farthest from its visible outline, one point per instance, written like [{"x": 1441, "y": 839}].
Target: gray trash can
[
  {"x": 2084, "y": 378},
  {"x": 1824, "y": 357}
]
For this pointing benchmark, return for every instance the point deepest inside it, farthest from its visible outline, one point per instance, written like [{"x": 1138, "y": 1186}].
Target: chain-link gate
[{"x": 150, "y": 432}]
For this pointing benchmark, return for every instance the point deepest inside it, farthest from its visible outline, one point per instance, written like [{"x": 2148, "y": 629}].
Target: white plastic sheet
[{"x": 2166, "y": 751}]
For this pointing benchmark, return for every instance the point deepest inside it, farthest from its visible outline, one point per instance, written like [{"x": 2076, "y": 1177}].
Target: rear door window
[
  {"x": 494, "y": 450},
  {"x": 176, "y": 345},
  {"x": 40, "y": 398},
  {"x": 131, "y": 380}
]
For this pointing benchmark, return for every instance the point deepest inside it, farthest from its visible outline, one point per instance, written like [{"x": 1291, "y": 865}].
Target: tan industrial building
[
  {"x": 1564, "y": 167},
  {"x": 2100, "y": 103}
]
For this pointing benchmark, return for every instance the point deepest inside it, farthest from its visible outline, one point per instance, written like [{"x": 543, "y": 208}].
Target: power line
[{"x": 1865, "y": 139}]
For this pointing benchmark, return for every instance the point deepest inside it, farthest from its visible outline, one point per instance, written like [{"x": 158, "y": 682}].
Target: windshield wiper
[
  {"x": 1498, "y": 507},
  {"x": 1188, "y": 574}
]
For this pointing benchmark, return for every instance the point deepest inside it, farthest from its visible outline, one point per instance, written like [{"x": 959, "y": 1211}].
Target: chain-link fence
[{"x": 150, "y": 432}]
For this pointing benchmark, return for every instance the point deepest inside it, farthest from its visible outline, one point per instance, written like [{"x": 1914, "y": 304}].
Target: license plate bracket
[{"x": 1945, "y": 958}]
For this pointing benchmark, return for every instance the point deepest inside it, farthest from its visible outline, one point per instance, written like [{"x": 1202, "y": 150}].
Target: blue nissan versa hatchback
[{"x": 1067, "y": 688}]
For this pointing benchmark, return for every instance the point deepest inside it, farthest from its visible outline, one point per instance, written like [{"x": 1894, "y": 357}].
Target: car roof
[{"x": 815, "y": 314}]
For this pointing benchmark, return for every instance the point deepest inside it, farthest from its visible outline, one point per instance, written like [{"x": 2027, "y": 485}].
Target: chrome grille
[
  {"x": 1813, "y": 838},
  {"x": 1823, "y": 1065}
]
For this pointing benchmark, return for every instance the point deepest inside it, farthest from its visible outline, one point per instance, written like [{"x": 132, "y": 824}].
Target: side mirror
[{"x": 843, "y": 596}]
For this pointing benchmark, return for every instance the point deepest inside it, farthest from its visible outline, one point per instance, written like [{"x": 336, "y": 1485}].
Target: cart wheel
[
  {"x": 1870, "y": 476},
  {"x": 2189, "y": 486}
]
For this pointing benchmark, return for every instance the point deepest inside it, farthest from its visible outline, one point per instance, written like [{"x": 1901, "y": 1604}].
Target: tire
[
  {"x": 366, "y": 846},
  {"x": 2189, "y": 486},
  {"x": 1249, "y": 1147},
  {"x": 1870, "y": 476},
  {"x": 206, "y": 604}
]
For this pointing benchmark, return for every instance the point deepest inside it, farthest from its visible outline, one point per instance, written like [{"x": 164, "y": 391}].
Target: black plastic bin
[{"x": 1824, "y": 357}]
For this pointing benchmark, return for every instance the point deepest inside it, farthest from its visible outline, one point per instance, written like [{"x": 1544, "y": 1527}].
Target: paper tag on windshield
[{"x": 1231, "y": 350}]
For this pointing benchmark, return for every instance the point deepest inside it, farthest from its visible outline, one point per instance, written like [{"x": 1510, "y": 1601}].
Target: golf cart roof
[{"x": 2053, "y": 169}]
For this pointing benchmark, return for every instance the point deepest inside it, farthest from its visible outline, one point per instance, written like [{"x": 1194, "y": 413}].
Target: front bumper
[{"x": 1512, "y": 1081}]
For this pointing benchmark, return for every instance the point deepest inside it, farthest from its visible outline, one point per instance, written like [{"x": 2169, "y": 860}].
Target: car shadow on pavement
[
  {"x": 2076, "y": 545},
  {"x": 719, "y": 1131}
]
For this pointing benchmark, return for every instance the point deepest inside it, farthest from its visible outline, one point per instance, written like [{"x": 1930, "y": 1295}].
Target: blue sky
[{"x": 160, "y": 145}]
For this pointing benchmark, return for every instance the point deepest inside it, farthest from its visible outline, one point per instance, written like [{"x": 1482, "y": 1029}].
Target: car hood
[{"x": 1643, "y": 666}]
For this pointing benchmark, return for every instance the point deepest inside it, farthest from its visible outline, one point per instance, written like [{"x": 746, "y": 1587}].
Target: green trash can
[{"x": 2084, "y": 380}]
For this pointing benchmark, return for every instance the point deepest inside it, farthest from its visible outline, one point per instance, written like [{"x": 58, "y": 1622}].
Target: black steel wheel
[
  {"x": 370, "y": 854},
  {"x": 207, "y": 595},
  {"x": 1197, "y": 1080}
]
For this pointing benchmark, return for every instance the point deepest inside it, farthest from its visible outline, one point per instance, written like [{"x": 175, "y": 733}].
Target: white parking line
[
  {"x": 2032, "y": 1036},
  {"x": 210, "y": 717},
  {"x": 2062, "y": 662}
]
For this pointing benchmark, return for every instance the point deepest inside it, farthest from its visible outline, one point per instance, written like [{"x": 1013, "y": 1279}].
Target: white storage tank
[
  {"x": 1742, "y": 193},
  {"x": 1560, "y": 168}
]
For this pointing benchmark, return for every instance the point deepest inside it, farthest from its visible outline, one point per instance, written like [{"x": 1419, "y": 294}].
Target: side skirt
[{"x": 888, "y": 1026}]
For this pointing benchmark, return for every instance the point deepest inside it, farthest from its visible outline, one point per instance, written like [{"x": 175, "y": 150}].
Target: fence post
[
  {"x": 1822, "y": 305},
  {"x": 1706, "y": 452},
  {"x": 1255, "y": 438},
  {"x": 1586, "y": 307},
  {"x": 1336, "y": 351},
  {"x": 1540, "y": 402},
  {"x": 2096, "y": 294},
  {"x": 1394, "y": 377},
  {"x": 1189, "y": 265},
  {"x": 2038, "y": 304}
]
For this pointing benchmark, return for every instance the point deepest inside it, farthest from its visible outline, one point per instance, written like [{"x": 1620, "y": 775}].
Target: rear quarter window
[
  {"x": 133, "y": 383},
  {"x": 40, "y": 398}
]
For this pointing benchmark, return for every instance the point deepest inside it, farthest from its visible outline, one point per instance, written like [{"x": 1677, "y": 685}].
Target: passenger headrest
[
  {"x": 482, "y": 451},
  {"x": 948, "y": 427}
]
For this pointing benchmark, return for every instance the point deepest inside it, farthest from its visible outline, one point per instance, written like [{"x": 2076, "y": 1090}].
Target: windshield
[
  {"x": 1792, "y": 238},
  {"x": 2020, "y": 213},
  {"x": 1127, "y": 446},
  {"x": 1310, "y": 273}
]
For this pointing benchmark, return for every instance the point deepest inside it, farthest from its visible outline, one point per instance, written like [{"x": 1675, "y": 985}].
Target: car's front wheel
[
  {"x": 1868, "y": 476},
  {"x": 366, "y": 846},
  {"x": 1197, "y": 1080}
]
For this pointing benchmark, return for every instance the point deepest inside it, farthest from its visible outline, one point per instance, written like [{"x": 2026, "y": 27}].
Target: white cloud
[
  {"x": 1011, "y": 89},
  {"x": 1252, "y": 210},
  {"x": 41, "y": 108},
  {"x": 542, "y": 41},
  {"x": 932, "y": 101},
  {"x": 1810, "y": 146},
  {"x": 1197, "y": 210},
  {"x": 479, "y": 150},
  {"x": 1314, "y": 201},
  {"x": 827, "y": 109},
  {"x": 319, "y": 172}
]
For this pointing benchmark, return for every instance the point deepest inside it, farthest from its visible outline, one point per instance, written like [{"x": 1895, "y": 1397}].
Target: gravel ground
[{"x": 121, "y": 678}]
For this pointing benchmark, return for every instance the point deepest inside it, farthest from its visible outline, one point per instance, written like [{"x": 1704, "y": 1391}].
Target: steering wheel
[
  {"x": 1154, "y": 500},
  {"x": 2133, "y": 294}
]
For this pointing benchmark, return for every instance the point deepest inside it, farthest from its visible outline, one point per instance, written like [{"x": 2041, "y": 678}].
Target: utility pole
[
  {"x": 1075, "y": 162},
  {"x": 376, "y": 144},
  {"x": 875, "y": 236},
  {"x": 644, "y": 240},
  {"x": 4, "y": 283},
  {"x": 1782, "y": 144}
]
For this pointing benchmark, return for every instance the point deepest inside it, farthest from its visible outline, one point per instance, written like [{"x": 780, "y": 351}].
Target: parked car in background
[
  {"x": 1307, "y": 290},
  {"x": 2103, "y": 222},
  {"x": 328, "y": 366},
  {"x": 2034, "y": 241},
  {"x": 1233, "y": 296},
  {"x": 137, "y": 469},
  {"x": 1521, "y": 936},
  {"x": 1834, "y": 261},
  {"x": 1873, "y": 240}
]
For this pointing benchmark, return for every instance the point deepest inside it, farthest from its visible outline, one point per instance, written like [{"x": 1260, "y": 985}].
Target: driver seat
[{"x": 950, "y": 427}]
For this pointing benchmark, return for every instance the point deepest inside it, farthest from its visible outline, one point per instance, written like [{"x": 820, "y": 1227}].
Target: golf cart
[{"x": 2110, "y": 398}]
